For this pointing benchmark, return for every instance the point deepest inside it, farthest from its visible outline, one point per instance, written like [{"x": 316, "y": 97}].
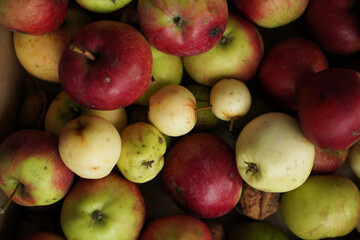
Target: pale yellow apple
[
  {"x": 90, "y": 146},
  {"x": 40, "y": 55}
]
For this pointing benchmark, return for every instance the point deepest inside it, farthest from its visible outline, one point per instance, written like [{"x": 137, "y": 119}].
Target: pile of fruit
[{"x": 173, "y": 119}]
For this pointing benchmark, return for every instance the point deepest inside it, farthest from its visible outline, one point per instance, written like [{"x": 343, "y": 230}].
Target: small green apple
[
  {"x": 354, "y": 159},
  {"x": 325, "y": 206},
  {"x": 90, "y": 146},
  {"x": 142, "y": 150},
  {"x": 103, "y": 6},
  {"x": 108, "y": 208},
  {"x": 167, "y": 69},
  {"x": 255, "y": 230}
]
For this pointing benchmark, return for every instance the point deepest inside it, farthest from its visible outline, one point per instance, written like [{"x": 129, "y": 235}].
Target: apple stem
[
  {"x": 85, "y": 52},
  {"x": 231, "y": 124},
  {"x": 5, "y": 205},
  {"x": 202, "y": 108}
]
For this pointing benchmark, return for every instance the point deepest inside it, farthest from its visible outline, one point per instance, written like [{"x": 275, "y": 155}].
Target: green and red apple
[{"x": 255, "y": 230}]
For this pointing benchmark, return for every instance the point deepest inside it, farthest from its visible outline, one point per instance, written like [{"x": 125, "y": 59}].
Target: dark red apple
[
  {"x": 328, "y": 161},
  {"x": 107, "y": 65},
  {"x": 335, "y": 25},
  {"x": 328, "y": 108},
  {"x": 201, "y": 176},
  {"x": 183, "y": 28},
  {"x": 286, "y": 66},
  {"x": 176, "y": 226},
  {"x": 34, "y": 17}
]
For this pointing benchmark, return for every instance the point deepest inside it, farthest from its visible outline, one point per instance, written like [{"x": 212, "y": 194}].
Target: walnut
[
  {"x": 216, "y": 229},
  {"x": 257, "y": 204}
]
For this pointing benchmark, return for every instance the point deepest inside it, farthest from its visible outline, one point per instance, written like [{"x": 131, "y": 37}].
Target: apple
[
  {"x": 167, "y": 69},
  {"x": 286, "y": 66},
  {"x": 90, "y": 146},
  {"x": 176, "y": 227},
  {"x": 324, "y": 206},
  {"x": 354, "y": 159},
  {"x": 63, "y": 109},
  {"x": 200, "y": 175},
  {"x": 34, "y": 17},
  {"x": 172, "y": 110},
  {"x": 255, "y": 230},
  {"x": 328, "y": 108},
  {"x": 40, "y": 55},
  {"x": 328, "y": 161},
  {"x": 103, "y": 6},
  {"x": 183, "y": 28},
  {"x": 142, "y": 152},
  {"x": 271, "y": 13},
  {"x": 42, "y": 235},
  {"x": 108, "y": 208},
  {"x": 236, "y": 55},
  {"x": 272, "y": 153},
  {"x": 32, "y": 170},
  {"x": 105, "y": 66},
  {"x": 337, "y": 20}
]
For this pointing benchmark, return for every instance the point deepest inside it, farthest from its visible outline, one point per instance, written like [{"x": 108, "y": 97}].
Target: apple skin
[
  {"x": 176, "y": 227},
  {"x": 336, "y": 20},
  {"x": 183, "y": 28},
  {"x": 200, "y": 175},
  {"x": 237, "y": 55},
  {"x": 113, "y": 206},
  {"x": 102, "y": 6},
  {"x": 42, "y": 236},
  {"x": 34, "y": 17},
  {"x": 271, "y": 13},
  {"x": 328, "y": 161},
  {"x": 330, "y": 99},
  {"x": 31, "y": 157},
  {"x": 324, "y": 206},
  {"x": 40, "y": 55},
  {"x": 114, "y": 80},
  {"x": 286, "y": 66}
]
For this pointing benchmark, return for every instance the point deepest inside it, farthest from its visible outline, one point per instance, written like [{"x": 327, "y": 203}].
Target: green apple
[
  {"x": 206, "y": 119},
  {"x": 103, "y": 6},
  {"x": 40, "y": 55},
  {"x": 237, "y": 55},
  {"x": 172, "y": 110},
  {"x": 255, "y": 230},
  {"x": 354, "y": 159},
  {"x": 63, "y": 109},
  {"x": 272, "y": 153},
  {"x": 32, "y": 170},
  {"x": 90, "y": 146},
  {"x": 325, "y": 206},
  {"x": 167, "y": 69},
  {"x": 108, "y": 208},
  {"x": 142, "y": 150}
]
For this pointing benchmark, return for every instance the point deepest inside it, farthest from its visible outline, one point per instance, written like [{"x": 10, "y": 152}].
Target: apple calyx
[
  {"x": 84, "y": 52},
  {"x": 6, "y": 204},
  {"x": 97, "y": 215},
  {"x": 179, "y": 21},
  {"x": 252, "y": 167},
  {"x": 147, "y": 164}
]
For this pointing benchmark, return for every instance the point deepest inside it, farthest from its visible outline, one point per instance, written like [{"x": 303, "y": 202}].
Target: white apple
[
  {"x": 172, "y": 110},
  {"x": 272, "y": 153},
  {"x": 90, "y": 146},
  {"x": 63, "y": 109}
]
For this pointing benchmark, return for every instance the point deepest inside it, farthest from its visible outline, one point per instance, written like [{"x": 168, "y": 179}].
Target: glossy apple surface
[
  {"x": 200, "y": 175},
  {"x": 328, "y": 108},
  {"x": 237, "y": 55},
  {"x": 107, "y": 65},
  {"x": 324, "y": 206},
  {"x": 30, "y": 159},
  {"x": 286, "y": 66},
  {"x": 108, "y": 208},
  {"x": 337, "y": 20},
  {"x": 183, "y": 28}
]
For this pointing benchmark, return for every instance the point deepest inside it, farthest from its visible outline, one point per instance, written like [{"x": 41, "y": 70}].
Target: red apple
[
  {"x": 107, "y": 65},
  {"x": 183, "y": 28},
  {"x": 176, "y": 226},
  {"x": 34, "y": 17},
  {"x": 201, "y": 176},
  {"x": 328, "y": 161},
  {"x": 286, "y": 66},
  {"x": 335, "y": 25},
  {"x": 328, "y": 108}
]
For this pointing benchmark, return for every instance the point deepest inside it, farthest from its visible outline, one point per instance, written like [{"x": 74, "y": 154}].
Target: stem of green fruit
[
  {"x": 231, "y": 124},
  {"x": 85, "y": 53},
  {"x": 5, "y": 205},
  {"x": 202, "y": 108}
]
